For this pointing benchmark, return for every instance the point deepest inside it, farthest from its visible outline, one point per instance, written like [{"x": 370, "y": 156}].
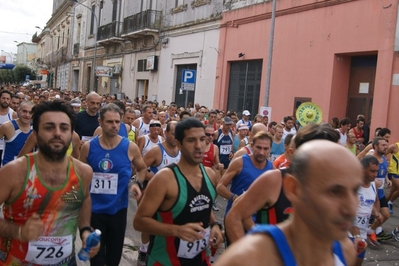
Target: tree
[{"x": 21, "y": 71}]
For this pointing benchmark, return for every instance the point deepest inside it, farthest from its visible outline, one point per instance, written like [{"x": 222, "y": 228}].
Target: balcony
[
  {"x": 76, "y": 48},
  {"x": 109, "y": 32},
  {"x": 143, "y": 23}
]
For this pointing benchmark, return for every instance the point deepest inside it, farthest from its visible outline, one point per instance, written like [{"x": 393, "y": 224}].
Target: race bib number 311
[
  {"x": 49, "y": 250},
  {"x": 104, "y": 183}
]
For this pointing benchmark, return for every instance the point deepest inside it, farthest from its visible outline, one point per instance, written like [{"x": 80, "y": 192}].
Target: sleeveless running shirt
[
  {"x": 249, "y": 173},
  {"x": 111, "y": 175},
  {"x": 144, "y": 128},
  {"x": 382, "y": 172},
  {"x": 277, "y": 150},
  {"x": 366, "y": 201},
  {"x": 148, "y": 144},
  {"x": 285, "y": 250},
  {"x": 58, "y": 209},
  {"x": 277, "y": 213},
  {"x": 3, "y": 119},
  {"x": 209, "y": 156},
  {"x": 190, "y": 207},
  {"x": 167, "y": 159},
  {"x": 14, "y": 145},
  {"x": 394, "y": 163},
  {"x": 224, "y": 143}
]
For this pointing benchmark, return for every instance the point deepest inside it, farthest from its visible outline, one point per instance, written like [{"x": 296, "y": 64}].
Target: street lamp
[
  {"x": 94, "y": 88},
  {"x": 52, "y": 54}
]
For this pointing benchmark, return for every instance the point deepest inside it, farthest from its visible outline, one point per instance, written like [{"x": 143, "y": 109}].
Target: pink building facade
[{"x": 339, "y": 54}]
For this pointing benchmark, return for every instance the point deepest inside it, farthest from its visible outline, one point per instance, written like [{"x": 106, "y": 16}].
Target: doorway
[{"x": 361, "y": 87}]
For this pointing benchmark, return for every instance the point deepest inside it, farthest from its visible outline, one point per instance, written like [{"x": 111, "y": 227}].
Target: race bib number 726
[{"x": 49, "y": 250}]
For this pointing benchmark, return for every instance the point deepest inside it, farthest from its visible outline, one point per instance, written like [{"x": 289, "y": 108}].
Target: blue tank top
[
  {"x": 249, "y": 173},
  {"x": 382, "y": 172},
  {"x": 277, "y": 150},
  {"x": 122, "y": 130},
  {"x": 14, "y": 145},
  {"x": 224, "y": 143},
  {"x": 108, "y": 165},
  {"x": 285, "y": 250}
]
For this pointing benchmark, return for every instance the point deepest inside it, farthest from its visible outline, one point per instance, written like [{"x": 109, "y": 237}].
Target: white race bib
[
  {"x": 189, "y": 250},
  {"x": 49, "y": 249},
  {"x": 225, "y": 149},
  {"x": 87, "y": 138},
  {"x": 362, "y": 220},
  {"x": 104, "y": 183}
]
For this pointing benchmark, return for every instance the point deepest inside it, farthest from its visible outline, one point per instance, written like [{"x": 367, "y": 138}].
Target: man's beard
[
  {"x": 4, "y": 105},
  {"x": 51, "y": 154}
]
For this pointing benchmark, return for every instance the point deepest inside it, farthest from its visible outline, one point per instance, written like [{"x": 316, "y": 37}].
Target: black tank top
[{"x": 277, "y": 213}]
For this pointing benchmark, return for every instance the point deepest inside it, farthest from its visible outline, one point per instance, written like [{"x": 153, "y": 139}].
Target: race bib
[
  {"x": 189, "y": 250},
  {"x": 104, "y": 183},
  {"x": 362, "y": 220},
  {"x": 87, "y": 138},
  {"x": 225, "y": 149},
  {"x": 49, "y": 250}
]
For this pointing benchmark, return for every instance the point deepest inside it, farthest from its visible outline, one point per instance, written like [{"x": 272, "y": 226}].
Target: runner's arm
[
  {"x": 29, "y": 145},
  {"x": 263, "y": 192},
  {"x": 233, "y": 169}
]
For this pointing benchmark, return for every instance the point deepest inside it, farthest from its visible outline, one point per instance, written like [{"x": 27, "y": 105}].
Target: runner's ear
[{"x": 292, "y": 188}]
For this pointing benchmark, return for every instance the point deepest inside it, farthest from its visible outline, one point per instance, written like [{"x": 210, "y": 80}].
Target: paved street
[{"x": 386, "y": 254}]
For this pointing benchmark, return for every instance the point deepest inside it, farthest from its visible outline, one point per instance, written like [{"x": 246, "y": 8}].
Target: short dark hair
[
  {"x": 144, "y": 109},
  {"x": 383, "y": 132},
  {"x": 315, "y": 131},
  {"x": 120, "y": 105},
  {"x": 52, "y": 106},
  {"x": 183, "y": 114},
  {"x": 288, "y": 139},
  {"x": 376, "y": 140},
  {"x": 184, "y": 125},
  {"x": 5, "y": 91},
  {"x": 272, "y": 124},
  {"x": 368, "y": 160},
  {"x": 287, "y": 118},
  {"x": 262, "y": 135},
  {"x": 345, "y": 121},
  {"x": 109, "y": 107}
]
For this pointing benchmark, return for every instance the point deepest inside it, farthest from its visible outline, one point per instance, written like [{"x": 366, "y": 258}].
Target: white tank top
[
  {"x": 167, "y": 159},
  {"x": 149, "y": 144},
  {"x": 367, "y": 198},
  {"x": 144, "y": 128},
  {"x": 3, "y": 119}
]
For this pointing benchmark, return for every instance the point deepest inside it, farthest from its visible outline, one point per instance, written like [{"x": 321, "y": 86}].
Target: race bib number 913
[{"x": 189, "y": 250}]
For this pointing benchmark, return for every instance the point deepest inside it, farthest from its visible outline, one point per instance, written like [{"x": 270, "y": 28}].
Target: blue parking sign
[{"x": 188, "y": 76}]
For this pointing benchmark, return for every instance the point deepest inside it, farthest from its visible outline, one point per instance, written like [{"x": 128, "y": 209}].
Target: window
[
  {"x": 141, "y": 65},
  {"x": 93, "y": 9}
]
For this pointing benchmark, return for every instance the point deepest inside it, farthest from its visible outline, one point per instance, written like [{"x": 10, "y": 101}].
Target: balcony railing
[
  {"x": 148, "y": 19},
  {"x": 108, "y": 31},
  {"x": 76, "y": 48}
]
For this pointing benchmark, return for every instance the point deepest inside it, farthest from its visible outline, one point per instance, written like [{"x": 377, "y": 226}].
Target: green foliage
[{"x": 16, "y": 75}]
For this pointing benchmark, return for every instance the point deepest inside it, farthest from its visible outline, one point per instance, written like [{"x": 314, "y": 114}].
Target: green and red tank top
[
  {"x": 58, "y": 208},
  {"x": 191, "y": 206}
]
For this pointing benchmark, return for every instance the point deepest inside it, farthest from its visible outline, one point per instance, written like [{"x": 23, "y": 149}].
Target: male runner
[
  {"x": 368, "y": 205},
  {"x": 157, "y": 158},
  {"x": 324, "y": 209},
  {"x": 110, "y": 157},
  {"x": 176, "y": 208},
  {"x": 16, "y": 132},
  {"x": 47, "y": 198}
]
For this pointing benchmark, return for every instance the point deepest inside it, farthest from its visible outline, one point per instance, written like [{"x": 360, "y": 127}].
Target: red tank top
[
  {"x": 358, "y": 134},
  {"x": 209, "y": 156},
  {"x": 58, "y": 209}
]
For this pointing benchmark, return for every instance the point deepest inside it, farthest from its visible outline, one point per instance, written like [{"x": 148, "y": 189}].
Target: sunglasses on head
[
  {"x": 155, "y": 125},
  {"x": 209, "y": 134}
]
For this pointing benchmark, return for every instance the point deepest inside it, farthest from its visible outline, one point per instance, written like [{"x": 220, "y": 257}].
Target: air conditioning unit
[{"x": 117, "y": 69}]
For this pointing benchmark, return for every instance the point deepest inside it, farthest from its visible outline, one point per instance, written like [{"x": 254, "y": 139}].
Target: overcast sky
[{"x": 18, "y": 19}]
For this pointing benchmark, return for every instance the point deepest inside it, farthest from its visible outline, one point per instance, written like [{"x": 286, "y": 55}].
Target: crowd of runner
[{"x": 75, "y": 159}]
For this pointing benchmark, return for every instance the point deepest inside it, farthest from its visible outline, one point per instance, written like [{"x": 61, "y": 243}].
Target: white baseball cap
[{"x": 246, "y": 112}]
